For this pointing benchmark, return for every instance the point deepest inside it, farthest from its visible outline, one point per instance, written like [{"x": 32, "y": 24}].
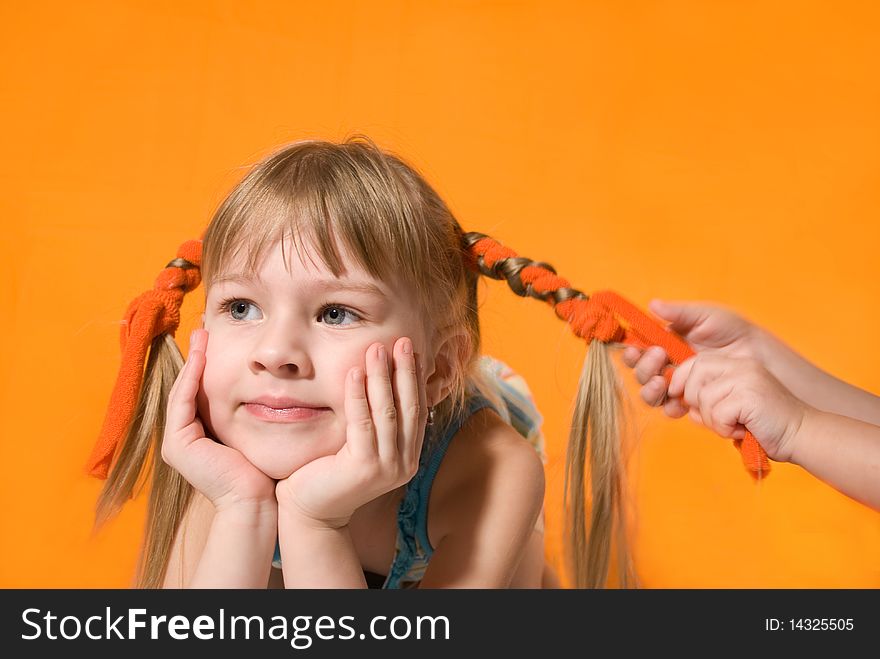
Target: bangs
[{"x": 325, "y": 205}]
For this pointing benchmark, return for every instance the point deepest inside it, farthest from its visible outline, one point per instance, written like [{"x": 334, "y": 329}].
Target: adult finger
[
  {"x": 726, "y": 417},
  {"x": 631, "y": 356},
  {"x": 675, "y": 408},
  {"x": 682, "y": 316},
  {"x": 710, "y": 397},
  {"x": 707, "y": 369},
  {"x": 654, "y": 391},
  {"x": 680, "y": 377},
  {"x": 651, "y": 364}
]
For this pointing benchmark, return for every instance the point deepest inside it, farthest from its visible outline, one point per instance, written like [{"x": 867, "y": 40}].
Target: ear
[{"x": 450, "y": 350}]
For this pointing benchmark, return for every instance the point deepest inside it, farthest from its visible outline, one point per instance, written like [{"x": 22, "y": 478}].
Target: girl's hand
[
  {"x": 219, "y": 472},
  {"x": 705, "y": 327},
  {"x": 384, "y": 434},
  {"x": 729, "y": 395}
]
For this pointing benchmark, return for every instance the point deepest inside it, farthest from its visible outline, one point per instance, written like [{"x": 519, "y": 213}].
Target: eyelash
[{"x": 225, "y": 307}]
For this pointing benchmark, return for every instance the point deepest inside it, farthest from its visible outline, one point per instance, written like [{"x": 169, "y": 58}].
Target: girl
[{"x": 334, "y": 413}]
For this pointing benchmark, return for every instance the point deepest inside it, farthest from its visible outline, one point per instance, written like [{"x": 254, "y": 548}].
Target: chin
[
  {"x": 276, "y": 473},
  {"x": 275, "y": 468},
  {"x": 272, "y": 466},
  {"x": 282, "y": 450}
]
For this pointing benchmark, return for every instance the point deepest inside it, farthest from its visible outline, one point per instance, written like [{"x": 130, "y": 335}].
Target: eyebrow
[{"x": 323, "y": 285}]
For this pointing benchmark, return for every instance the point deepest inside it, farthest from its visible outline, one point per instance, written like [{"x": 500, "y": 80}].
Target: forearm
[
  {"x": 813, "y": 385},
  {"x": 843, "y": 452},
  {"x": 317, "y": 556},
  {"x": 239, "y": 548}
]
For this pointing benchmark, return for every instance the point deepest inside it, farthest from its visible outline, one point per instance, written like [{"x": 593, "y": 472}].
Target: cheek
[
  {"x": 337, "y": 363},
  {"x": 335, "y": 368},
  {"x": 225, "y": 356},
  {"x": 222, "y": 370},
  {"x": 219, "y": 371}
]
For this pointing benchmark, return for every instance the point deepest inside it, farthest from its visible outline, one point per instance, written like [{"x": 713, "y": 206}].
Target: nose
[{"x": 281, "y": 350}]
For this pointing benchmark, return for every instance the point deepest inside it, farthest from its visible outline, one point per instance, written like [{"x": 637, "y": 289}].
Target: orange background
[{"x": 727, "y": 151}]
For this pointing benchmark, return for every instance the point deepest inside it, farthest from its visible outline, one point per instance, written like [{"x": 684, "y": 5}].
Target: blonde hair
[{"x": 380, "y": 210}]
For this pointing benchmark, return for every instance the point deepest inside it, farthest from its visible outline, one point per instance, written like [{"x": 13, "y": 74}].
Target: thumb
[{"x": 682, "y": 316}]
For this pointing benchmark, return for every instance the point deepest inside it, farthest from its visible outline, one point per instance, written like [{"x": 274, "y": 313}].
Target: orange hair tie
[
  {"x": 153, "y": 313},
  {"x": 604, "y": 316}
]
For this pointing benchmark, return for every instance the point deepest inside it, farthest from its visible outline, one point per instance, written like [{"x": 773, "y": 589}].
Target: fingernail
[
  {"x": 192, "y": 336},
  {"x": 357, "y": 375},
  {"x": 406, "y": 347},
  {"x": 381, "y": 352}
]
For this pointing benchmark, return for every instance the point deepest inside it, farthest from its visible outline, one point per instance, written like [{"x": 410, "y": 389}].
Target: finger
[
  {"x": 726, "y": 418},
  {"x": 682, "y": 316},
  {"x": 695, "y": 416},
  {"x": 359, "y": 424},
  {"x": 710, "y": 397},
  {"x": 706, "y": 369},
  {"x": 181, "y": 410},
  {"x": 654, "y": 392},
  {"x": 423, "y": 405},
  {"x": 651, "y": 364},
  {"x": 381, "y": 401},
  {"x": 198, "y": 341},
  {"x": 631, "y": 356},
  {"x": 680, "y": 377},
  {"x": 726, "y": 414},
  {"x": 406, "y": 399},
  {"x": 675, "y": 408}
]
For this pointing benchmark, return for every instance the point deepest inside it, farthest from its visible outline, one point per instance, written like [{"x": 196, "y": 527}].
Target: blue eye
[
  {"x": 334, "y": 314},
  {"x": 239, "y": 309}
]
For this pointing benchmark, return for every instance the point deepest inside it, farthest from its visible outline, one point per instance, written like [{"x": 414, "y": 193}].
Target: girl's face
[{"x": 279, "y": 348}]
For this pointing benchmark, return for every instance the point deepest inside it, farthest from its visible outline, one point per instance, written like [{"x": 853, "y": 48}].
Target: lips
[
  {"x": 281, "y": 402},
  {"x": 283, "y": 410}
]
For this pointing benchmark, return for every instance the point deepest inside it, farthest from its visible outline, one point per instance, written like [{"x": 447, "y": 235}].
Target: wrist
[
  {"x": 291, "y": 514},
  {"x": 248, "y": 513},
  {"x": 778, "y": 358},
  {"x": 793, "y": 443},
  {"x": 765, "y": 346}
]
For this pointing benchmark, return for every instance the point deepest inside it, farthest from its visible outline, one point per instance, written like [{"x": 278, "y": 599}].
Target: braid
[
  {"x": 594, "y": 431},
  {"x": 149, "y": 318},
  {"x": 589, "y": 319},
  {"x": 135, "y": 419}
]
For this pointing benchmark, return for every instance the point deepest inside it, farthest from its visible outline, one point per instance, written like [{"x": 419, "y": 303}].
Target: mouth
[{"x": 283, "y": 410}]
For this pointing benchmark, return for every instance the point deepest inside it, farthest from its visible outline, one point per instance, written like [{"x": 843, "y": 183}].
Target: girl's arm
[
  {"x": 813, "y": 385},
  {"x": 230, "y": 548},
  {"x": 233, "y": 502},
  {"x": 843, "y": 452},
  {"x": 317, "y": 555},
  {"x": 489, "y": 489}
]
